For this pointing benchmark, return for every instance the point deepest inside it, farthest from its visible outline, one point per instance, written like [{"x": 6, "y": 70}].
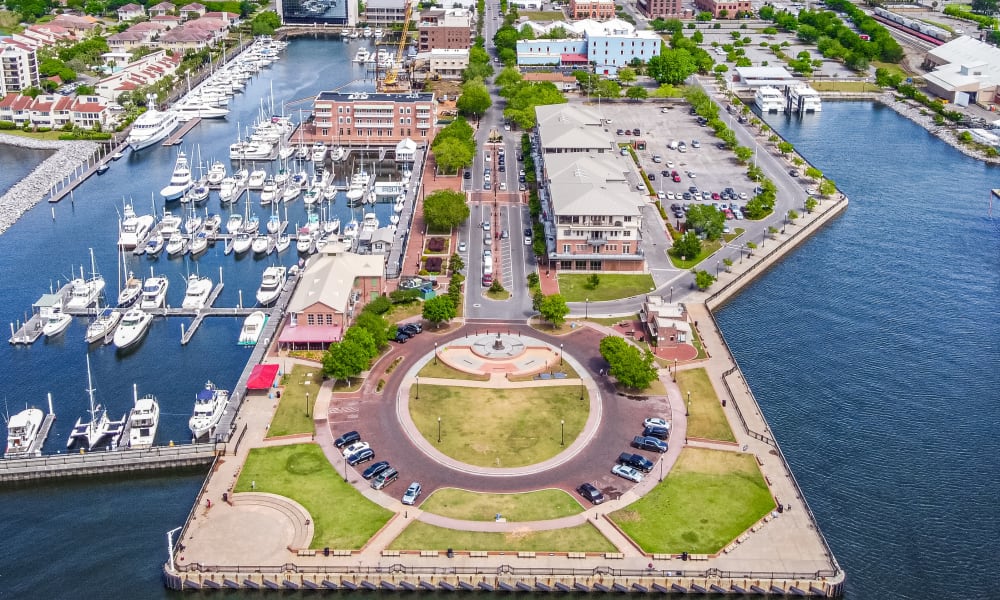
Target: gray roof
[
  {"x": 570, "y": 126},
  {"x": 329, "y": 278},
  {"x": 400, "y": 4},
  {"x": 591, "y": 184}
]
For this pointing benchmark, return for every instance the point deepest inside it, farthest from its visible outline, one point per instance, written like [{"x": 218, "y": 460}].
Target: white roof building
[{"x": 964, "y": 70}]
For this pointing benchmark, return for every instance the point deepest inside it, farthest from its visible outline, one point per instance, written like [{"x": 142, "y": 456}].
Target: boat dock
[
  {"x": 178, "y": 136},
  {"x": 186, "y": 335},
  {"x": 29, "y": 331},
  {"x": 106, "y": 462},
  {"x": 43, "y": 432}
]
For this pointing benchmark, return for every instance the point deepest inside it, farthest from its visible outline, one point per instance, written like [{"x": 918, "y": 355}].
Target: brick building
[
  {"x": 664, "y": 9},
  {"x": 373, "y": 118},
  {"x": 440, "y": 29},
  {"x": 724, "y": 9},
  {"x": 599, "y": 10}
]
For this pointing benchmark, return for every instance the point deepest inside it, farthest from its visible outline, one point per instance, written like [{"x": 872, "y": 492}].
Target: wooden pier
[
  {"x": 186, "y": 335},
  {"x": 178, "y": 136},
  {"x": 29, "y": 332},
  {"x": 103, "y": 462},
  {"x": 66, "y": 187}
]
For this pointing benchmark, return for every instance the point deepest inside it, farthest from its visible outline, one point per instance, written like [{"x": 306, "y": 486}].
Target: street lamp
[
  {"x": 716, "y": 269},
  {"x": 307, "y": 404},
  {"x": 586, "y": 314},
  {"x": 562, "y": 432},
  {"x": 687, "y": 411},
  {"x": 675, "y": 369},
  {"x": 435, "y": 353},
  {"x": 560, "y": 355},
  {"x": 661, "y": 469},
  {"x": 671, "y": 294},
  {"x": 417, "y": 380},
  {"x": 345, "y": 469},
  {"x": 439, "y": 430}
]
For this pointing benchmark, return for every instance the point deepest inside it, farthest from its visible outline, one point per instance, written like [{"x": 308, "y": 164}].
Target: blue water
[
  {"x": 18, "y": 162},
  {"x": 873, "y": 352}
]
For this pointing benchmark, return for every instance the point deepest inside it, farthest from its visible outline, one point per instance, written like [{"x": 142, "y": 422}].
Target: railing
[{"x": 102, "y": 458}]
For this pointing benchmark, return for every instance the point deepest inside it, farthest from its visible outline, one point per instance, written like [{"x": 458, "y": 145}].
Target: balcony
[{"x": 597, "y": 242}]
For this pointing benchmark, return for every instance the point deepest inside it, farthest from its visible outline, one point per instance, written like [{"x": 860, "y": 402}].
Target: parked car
[
  {"x": 627, "y": 472},
  {"x": 385, "y": 478},
  {"x": 661, "y": 433},
  {"x": 356, "y": 447},
  {"x": 591, "y": 493},
  {"x": 636, "y": 461},
  {"x": 636, "y": 131},
  {"x": 361, "y": 456},
  {"x": 461, "y": 247},
  {"x": 486, "y": 225},
  {"x": 651, "y": 176},
  {"x": 347, "y": 439},
  {"x": 467, "y": 174},
  {"x": 375, "y": 469},
  {"x": 412, "y": 493},
  {"x": 649, "y": 443},
  {"x": 400, "y": 338},
  {"x": 657, "y": 158}
]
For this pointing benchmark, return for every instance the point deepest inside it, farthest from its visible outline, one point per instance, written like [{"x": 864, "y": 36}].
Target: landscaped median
[
  {"x": 342, "y": 518},
  {"x": 709, "y": 499},
  {"x": 582, "y": 538}
]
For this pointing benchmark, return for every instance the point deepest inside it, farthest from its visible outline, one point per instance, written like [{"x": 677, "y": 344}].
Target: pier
[
  {"x": 189, "y": 333},
  {"x": 177, "y": 137},
  {"x": 106, "y": 462},
  {"x": 65, "y": 187},
  {"x": 29, "y": 332}
]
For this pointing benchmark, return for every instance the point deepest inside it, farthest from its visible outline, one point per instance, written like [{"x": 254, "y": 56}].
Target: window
[
  {"x": 566, "y": 248},
  {"x": 310, "y": 319},
  {"x": 626, "y": 249},
  {"x": 595, "y": 265},
  {"x": 581, "y": 265},
  {"x": 566, "y": 265}
]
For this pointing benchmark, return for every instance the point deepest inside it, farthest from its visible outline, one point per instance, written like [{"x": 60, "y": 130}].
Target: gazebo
[{"x": 406, "y": 151}]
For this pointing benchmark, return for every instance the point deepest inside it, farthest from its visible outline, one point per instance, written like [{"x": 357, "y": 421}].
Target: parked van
[
  {"x": 673, "y": 145},
  {"x": 385, "y": 478}
]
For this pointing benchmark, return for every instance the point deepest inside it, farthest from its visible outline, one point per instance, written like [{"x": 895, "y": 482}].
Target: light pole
[
  {"x": 439, "y": 430},
  {"x": 562, "y": 432},
  {"x": 560, "y": 355},
  {"x": 716, "y": 269},
  {"x": 307, "y": 404},
  {"x": 345, "y": 469},
  {"x": 671, "y": 294},
  {"x": 687, "y": 411},
  {"x": 581, "y": 390},
  {"x": 435, "y": 353},
  {"x": 586, "y": 313},
  {"x": 675, "y": 370},
  {"x": 661, "y": 469},
  {"x": 417, "y": 385}
]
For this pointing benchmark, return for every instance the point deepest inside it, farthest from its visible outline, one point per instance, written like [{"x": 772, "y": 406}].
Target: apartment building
[
  {"x": 446, "y": 29},
  {"x": 382, "y": 13},
  {"x": 724, "y": 9},
  {"x": 599, "y": 10},
  {"x": 18, "y": 67},
  {"x": 373, "y": 118}
]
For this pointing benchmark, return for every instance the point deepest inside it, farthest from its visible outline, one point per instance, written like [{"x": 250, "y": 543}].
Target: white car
[
  {"x": 503, "y": 186},
  {"x": 670, "y": 196},
  {"x": 743, "y": 195},
  {"x": 461, "y": 246},
  {"x": 412, "y": 493},
  {"x": 661, "y": 195},
  {"x": 487, "y": 255},
  {"x": 355, "y": 447},
  {"x": 486, "y": 225},
  {"x": 669, "y": 164},
  {"x": 626, "y": 472},
  {"x": 691, "y": 174},
  {"x": 656, "y": 422}
]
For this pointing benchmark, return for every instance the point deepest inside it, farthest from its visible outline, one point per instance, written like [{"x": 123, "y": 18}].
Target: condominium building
[
  {"x": 451, "y": 29},
  {"x": 372, "y": 118},
  {"x": 381, "y": 13},
  {"x": 18, "y": 66},
  {"x": 608, "y": 45}
]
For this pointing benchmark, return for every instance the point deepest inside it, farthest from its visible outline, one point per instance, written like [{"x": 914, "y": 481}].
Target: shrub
[
  {"x": 436, "y": 244},
  {"x": 433, "y": 264}
]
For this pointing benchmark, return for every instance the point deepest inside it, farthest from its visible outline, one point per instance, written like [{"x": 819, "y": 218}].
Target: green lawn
[
  {"x": 342, "y": 517},
  {"x": 542, "y": 15},
  {"x": 844, "y": 86},
  {"x": 291, "y": 414},
  {"x": 539, "y": 505},
  {"x": 706, "y": 419},
  {"x": 499, "y": 427},
  {"x": 575, "y": 288},
  {"x": 45, "y": 135},
  {"x": 707, "y": 249},
  {"x": 582, "y": 538},
  {"x": 501, "y": 295},
  {"x": 446, "y": 372},
  {"x": 709, "y": 498}
]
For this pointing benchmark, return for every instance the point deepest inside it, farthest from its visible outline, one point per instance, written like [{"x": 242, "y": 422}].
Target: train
[{"x": 919, "y": 29}]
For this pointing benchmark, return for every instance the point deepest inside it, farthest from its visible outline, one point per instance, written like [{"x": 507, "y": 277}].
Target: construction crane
[{"x": 391, "y": 83}]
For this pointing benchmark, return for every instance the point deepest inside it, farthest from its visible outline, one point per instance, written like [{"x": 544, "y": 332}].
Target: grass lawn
[
  {"x": 539, "y": 505},
  {"x": 844, "y": 86},
  {"x": 709, "y": 498},
  {"x": 342, "y": 517},
  {"x": 706, "y": 419},
  {"x": 612, "y": 321},
  {"x": 291, "y": 414},
  {"x": 576, "y": 288},
  {"x": 893, "y": 68},
  {"x": 582, "y": 538},
  {"x": 542, "y": 15},
  {"x": 446, "y": 372},
  {"x": 45, "y": 135},
  {"x": 707, "y": 249},
  {"x": 501, "y": 295},
  {"x": 398, "y": 312},
  {"x": 511, "y": 427}
]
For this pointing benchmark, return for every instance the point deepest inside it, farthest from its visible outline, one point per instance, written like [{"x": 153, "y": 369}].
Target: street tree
[
  {"x": 632, "y": 368},
  {"x": 455, "y": 263},
  {"x": 811, "y": 204},
  {"x": 445, "y": 209},
  {"x": 376, "y": 326},
  {"x": 636, "y": 92},
  {"x": 439, "y": 309},
  {"x": 672, "y": 66},
  {"x": 827, "y": 187},
  {"x": 707, "y": 219},
  {"x": 743, "y": 154},
  {"x": 703, "y": 279},
  {"x": 507, "y": 78},
  {"x": 451, "y": 154},
  {"x": 687, "y": 247},
  {"x": 475, "y": 98},
  {"x": 363, "y": 339},
  {"x": 626, "y": 75},
  {"x": 785, "y": 147},
  {"x": 554, "y": 309},
  {"x": 345, "y": 360}
]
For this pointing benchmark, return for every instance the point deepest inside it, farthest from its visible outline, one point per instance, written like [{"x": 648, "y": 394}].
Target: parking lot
[{"x": 699, "y": 164}]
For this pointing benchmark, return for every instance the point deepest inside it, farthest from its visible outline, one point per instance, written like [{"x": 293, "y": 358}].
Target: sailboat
[{"x": 90, "y": 434}]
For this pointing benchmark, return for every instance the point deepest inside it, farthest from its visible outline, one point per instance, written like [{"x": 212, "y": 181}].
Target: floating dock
[
  {"x": 189, "y": 333},
  {"x": 178, "y": 136}
]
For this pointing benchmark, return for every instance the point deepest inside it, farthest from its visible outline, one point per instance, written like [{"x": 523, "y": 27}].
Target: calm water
[
  {"x": 883, "y": 408},
  {"x": 873, "y": 351},
  {"x": 18, "y": 162}
]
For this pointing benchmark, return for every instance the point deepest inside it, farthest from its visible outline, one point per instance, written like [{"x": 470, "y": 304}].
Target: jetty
[
  {"x": 104, "y": 462},
  {"x": 178, "y": 136},
  {"x": 28, "y": 332},
  {"x": 200, "y": 317}
]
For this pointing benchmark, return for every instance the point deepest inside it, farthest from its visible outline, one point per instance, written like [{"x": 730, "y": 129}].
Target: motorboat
[
  {"x": 272, "y": 282},
  {"x": 209, "y": 406},
  {"x": 378, "y": 33},
  {"x": 130, "y": 292},
  {"x": 154, "y": 245},
  {"x": 369, "y": 223},
  {"x": 251, "y": 150},
  {"x": 281, "y": 177},
  {"x": 198, "y": 291},
  {"x": 180, "y": 180},
  {"x": 302, "y": 152},
  {"x": 257, "y": 178},
  {"x": 85, "y": 292},
  {"x": 211, "y": 225},
  {"x": 282, "y": 242},
  {"x": 216, "y": 173},
  {"x": 262, "y": 244},
  {"x": 290, "y": 193},
  {"x": 394, "y": 219},
  {"x": 269, "y": 192},
  {"x": 228, "y": 190},
  {"x": 235, "y": 223},
  {"x": 769, "y": 99},
  {"x": 399, "y": 205},
  {"x": 151, "y": 127},
  {"x": 304, "y": 240},
  {"x": 118, "y": 155},
  {"x": 143, "y": 421},
  {"x": 198, "y": 243},
  {"x": 22, "y": 433},
  {"x": 804, "y": 99},
  {"x": 177, "y": 244},
  {"x": 154, "y": 293},
  {"x": 299, "y": 180},
  {"x": 198, "y": 193},
  {"x": 361, "y": 56},
  {"x": 102, "y": 326},
  {"x": 242, "y": 242},
  {"x": 351, "y": 229},
  {"x": 318, "y": 152},
  {"x": 133, "y": 327},
  {"x": 90, "y": 434},
  {"x": 134, "y": 228},
  {"x": 253, "y": 326},
  {"x": 55, "y": 321},
  {"x": 367, "y": 32},
  {"x": 338, "y": 154},
  {"x": 332, "y": 226},
  {"x": 193, "y": 223},
  {"x": 321, "y": 242},
  {"x": 242, "y": 177},
  {"x": 169, "y": 223},
  {"x": 196, "y": 108}
]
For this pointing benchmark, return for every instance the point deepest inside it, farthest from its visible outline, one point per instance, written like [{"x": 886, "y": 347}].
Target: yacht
[
  {"x": 130, "y": 291},
  {"x": 291, "y": 192},
  {"x": 251, "y": 150},
  {"x": 269, "y": 192},
  {"x": 318, "y": 152},
  {"x": 54, "y": 320},
  {"x": 180, "y": 181},
  {"x": 361, "y": 56},
  {"x": 85, "y": 292},
  {"x": 22, "y": 433},
  {"x": 304, "y": 240},
  {"x": 211, "y": 225},
  {"x": 134, "y": 228},
  {"x": 228, "y": 190},
  {"x": 198, "y": 244},
  {"x": 151, "y": 127},
  {"x": 282, "y": 242},
  {"x": 194, "y": 108},
  {"x": 209, "y": 405},
  {"x": 281, "y": 177},
  {"x": 257, "y": 179},
  {"x": 378, "y": 33},
  {"x": 134, "y": 326},
  {"x": 154, "y": 245},
  {"x": 198, "y": 193},
  {"x": 253, "y": 326},
  {"x": 367, "y": 32},
  {"x": 216, "y": 173},
  {"x": 193, "y": 223},
  {"x": 804, "y": 99},
  {"x": 100, "y": 428},
  {"x": 177, "y": 244},
  {"x": 769, "y": 99},
  {"x": 198, "y": 291},
  {"x": 351, "y": 229},
  {"x": 101, "y": 327},
  {"x": 154, "y": 293},
  {"x": 142, "y": 422},
  {"x": 242, "y": 176},
  {"x": 242, "y": 242},
  {"x": 369, "y": 223},
  {"x": 235, "y": 223},
  {"x": 272, "y": 282},
  {"x": 400, "y": 203},
  {"x": 262, "y": 244}
]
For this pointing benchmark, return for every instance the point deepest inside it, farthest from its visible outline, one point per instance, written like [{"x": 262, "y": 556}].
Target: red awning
[
  {"x": 310, "y": 334},
  {"x": 262, "y": 377},
  {"x": 573, "y": 58}
]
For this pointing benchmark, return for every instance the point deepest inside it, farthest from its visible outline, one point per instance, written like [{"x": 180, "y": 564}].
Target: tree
[
  {"x": 636, "y": 92},
  {"x": 496, "y": 287},
  {"x": 626, "y": 75},
  {"x": 811, "y": 204},
  {"x": 827, "y": 187},
  {"x": 707, "y": 219},
  {"x": 451, "y": 154},
  {"x": 743, "y": 154},
  {"x": 445, "y": 209},
  {"x": 688, "y": 246},
  {"x": 475, "y": 98},
  {"x": 608, "y": 89},
  {"x": 265, "y": 23},
  {"x": 554, "y": 309},
  {"x": 363, "y": 339},
  {"x": 672, "y": 66},
  {"x": 345, "y": 359},
  {"x": 455, "y": 263},
  {"x": 729, "y": 264},
  {"x": 703, "y": 279},
  {"x": 439, "y": 309},
  {"x": 508, "y": 77},
  {"x": 813, "y": 173},
  {"x": 536, "y": 300},
  {"x": 376, "y": 326},
  {"x": 985, "y": 7},
  {"x": 632, "y": 368},
  {"x": 246, "y": 9},
  {"x": 785, "y": 147}
]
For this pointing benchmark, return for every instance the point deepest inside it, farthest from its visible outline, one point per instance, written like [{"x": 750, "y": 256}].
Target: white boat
[
  {"x": 180, "y": 180},
  {"x": 216, "y": 173},
  {"x": 199, "y": 243},
  {"x": 804, "y": 99},
  {"x": 154, "y": 293},
  {"x": 130, "y": 291},
  {"x": 338, "y": 154},
  {"x": 198, "y": 193},
  {"x": 211, "y": 225},
  {"x": 302, "y": 152},
  {"x": 134, "y": 326},
  {"x": 269, "y": 191},
  {"x": 242, "y": 176},
  {"x": 262, "y": 244},
  {"x": 367, "y": 32},
  {"x": 272, "y": 282},
  {"x": 85, "y": 292},
  {"x": 177, "y": 244},
  {"x": 361, "y": 56},
  {"x": 235, "y": 223},
  {"x": 251, "y": 150},
  {"x": 281, "y": 177},
  {"x": 378, "y": 33},
  {"x": 251, "y": 224},
  {"x": 399, "y": 205},
  {"x": 273, "y": 223},
  {"x": 369, "y": 223},
  {"x": 154, "y": 245},
  {"x": 198, "y": 108},
  {"x": 351, "y": 229},
  {"x": 228, "y": 190},
  {"x": 151, "y": 127},
  {"x": 257, "y": 179},
  {"x": 91, "y": 434},
  {"x": 102, "y": 326},
  {"x": 209, "y": 406},
  {"x": 198, "y": 291},
  {"x": 331, "y": 226},
  {"x": 253, "y": 326},
  {"x": 143, "y": 421},
  {"x": 769, "y": 99},
  {"x": 312, "y": 196},
  {"x": 134, "y": 228},
  {"x": 318, "y": 152},
  {"x": 117, "y": 155},
  {"x": 282, "y": 242},
  {"x": 291, "y": 193},
  {"x": 22, "y": 431},
  {"x": 54, "y": 320},
  {"x": 304, "y": 240},
  {"x": 242, "y": 242},
  {"x": 299, "y": 179},
  {"x": 355, "y": 193},
  {"x": 193, "y": 223},
  {"x": 394, "y": 219}
]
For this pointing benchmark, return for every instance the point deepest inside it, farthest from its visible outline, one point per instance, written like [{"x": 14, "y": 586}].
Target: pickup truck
[{"x": 636, "y": 461}]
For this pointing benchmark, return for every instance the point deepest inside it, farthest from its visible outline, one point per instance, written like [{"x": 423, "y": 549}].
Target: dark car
[
  {"x": 411, "y": 329},
  {"x": 527, "y": 232},
  {"x": 375, "y": 469},
  {"x": 361, "y": 456},
  {"x": 400, "y": 337},
  {"x": 649, "y": 443},
  {"x": 665, "y": 173},
  {"x": 467, "y": 174},
  {"x": 636, "y": 461},
  {"x": 347, "y": 439},
  {"x": 620, "y": 132},
  {"x": 502, "y": 168},
  {"x": 588, "y": 491},
  {"x": 521, "y": 179},
  {"x": 660, "y": 433},
  {"x": 636, "y": 131},
  {"x": 385, "y": 478}
]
